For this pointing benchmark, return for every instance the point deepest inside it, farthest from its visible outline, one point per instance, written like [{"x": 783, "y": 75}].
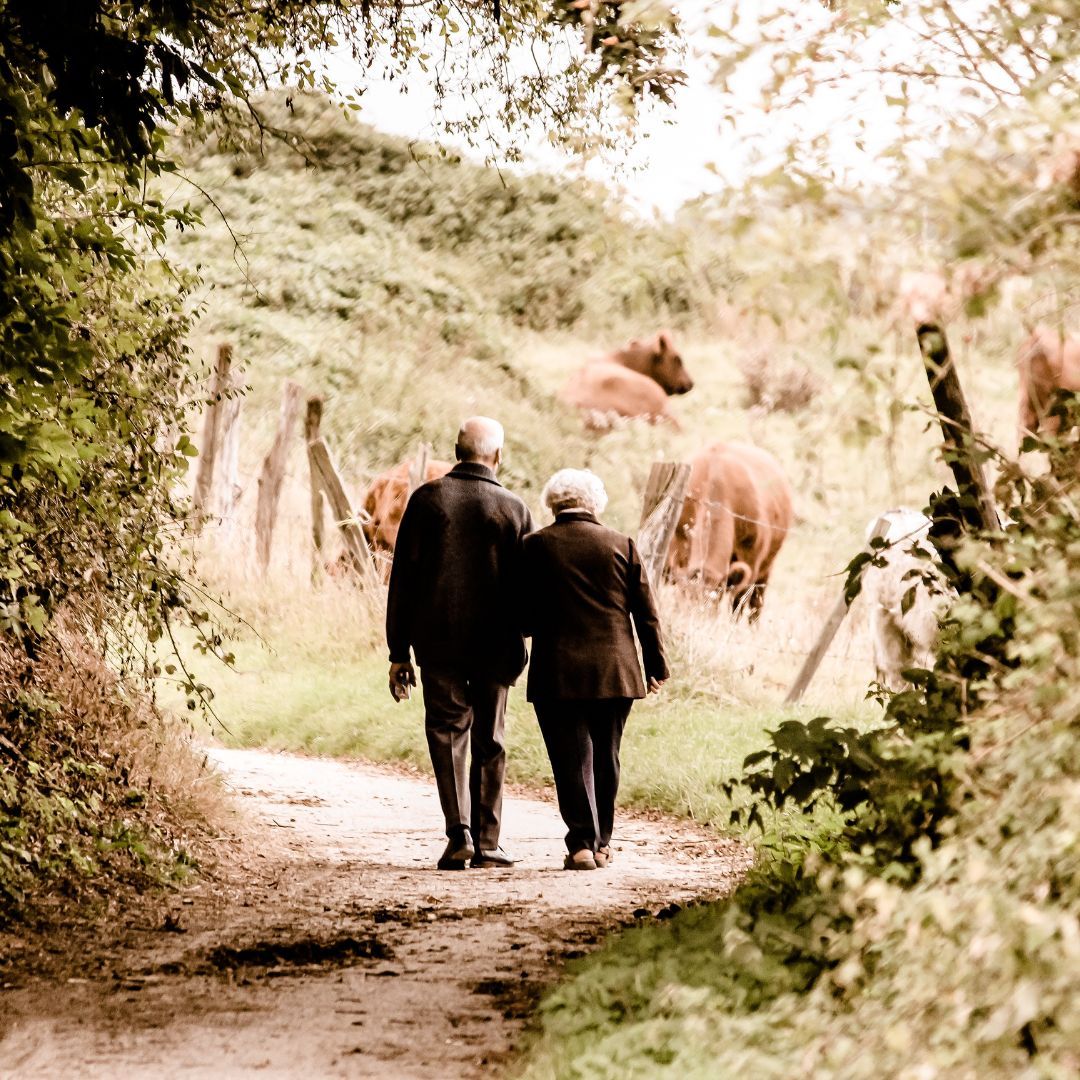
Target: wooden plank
[
  {"x": 955, "y": 421},
  {"x": 272, "y": 473},
  {"x": 665, "y": 493},
  {"x": 220, "y": 384},
  {"x": 418, "y": 468},
  {"x": 828, "y": 631},
  {"x": 312, "y": 424},
  {"x": 352, "y": 534}
]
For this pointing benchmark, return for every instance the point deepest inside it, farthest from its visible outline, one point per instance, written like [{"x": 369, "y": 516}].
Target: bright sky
[
  {"x": 670, "y": 162},
  {"x": 689, "y": 149}
]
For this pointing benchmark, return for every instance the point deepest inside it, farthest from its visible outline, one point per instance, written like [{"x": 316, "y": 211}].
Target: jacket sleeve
[
  {"x": 401, "y": 598},
  {"x": 525, "y": 593},
  {"x": 646, "y": 619}
]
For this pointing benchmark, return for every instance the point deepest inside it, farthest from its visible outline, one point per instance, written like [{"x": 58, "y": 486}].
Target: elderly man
[{"x": 452, "y": 586}]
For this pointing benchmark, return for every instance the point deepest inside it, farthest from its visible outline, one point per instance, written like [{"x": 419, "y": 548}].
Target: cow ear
[{"x": 663, "y": 341}]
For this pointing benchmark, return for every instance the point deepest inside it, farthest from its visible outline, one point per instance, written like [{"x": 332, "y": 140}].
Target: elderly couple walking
[{"x": 470, "y": 580}]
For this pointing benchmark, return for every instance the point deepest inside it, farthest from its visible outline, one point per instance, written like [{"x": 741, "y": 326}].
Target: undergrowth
[{"x": 96, "y": 789}]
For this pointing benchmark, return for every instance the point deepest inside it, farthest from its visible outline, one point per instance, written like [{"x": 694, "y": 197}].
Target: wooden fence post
[
  {"x": 832, "y": 624},
  {"x": 955, "y": 421},
  {"x": 226, "y": 488},
  {"x": 665, "y": 493},
  {"x": 352, "y": 534},
  {"x": 215, "y": 423},
  {"x": 418, "y": 468},
  {"x": 312, "y": 423},
  {"x": 272, "y": 473}
]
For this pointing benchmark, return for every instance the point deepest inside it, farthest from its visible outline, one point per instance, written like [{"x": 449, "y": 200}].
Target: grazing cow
[
  {"x": 903, "y": 639},
  {"x": 924, "y": 296},
  {"x": 385, "y": 500},
  {"x": 1046, "y": 362},
  {"x": 1059, "y": 170},
  {"x": 931, "y": 296},
  {"x": 634, "y": 381},
  {"x": 736, "y": 517}
]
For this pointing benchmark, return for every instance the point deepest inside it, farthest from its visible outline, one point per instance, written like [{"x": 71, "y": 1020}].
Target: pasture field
[{"x": 360, "y": 279}]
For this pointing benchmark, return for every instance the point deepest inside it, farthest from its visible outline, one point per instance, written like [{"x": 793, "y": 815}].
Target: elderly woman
[{"x": 586, "y": 592}]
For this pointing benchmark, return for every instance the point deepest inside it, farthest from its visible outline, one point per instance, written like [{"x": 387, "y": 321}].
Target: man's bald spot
[{"x": 479, "y": 439}]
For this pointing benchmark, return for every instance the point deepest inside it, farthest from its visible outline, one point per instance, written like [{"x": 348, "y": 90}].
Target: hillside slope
[{"x": 403, "y": 283}]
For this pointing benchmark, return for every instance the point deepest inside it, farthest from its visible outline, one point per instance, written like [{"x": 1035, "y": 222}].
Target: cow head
[{"x": 666, "y": 365}]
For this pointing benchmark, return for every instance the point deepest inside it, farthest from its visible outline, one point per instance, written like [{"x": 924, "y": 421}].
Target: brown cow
[
  {"x": 602, "y": 390},
  {"x": 385, "y": 500},
  {"x": 1046, "y": 361},
  {"x": 736, "y": 516},
  {"x": 633, "y": 381}
]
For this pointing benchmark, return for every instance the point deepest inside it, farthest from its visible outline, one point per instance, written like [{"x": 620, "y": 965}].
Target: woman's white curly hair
[{"x": 575, "y": 489}]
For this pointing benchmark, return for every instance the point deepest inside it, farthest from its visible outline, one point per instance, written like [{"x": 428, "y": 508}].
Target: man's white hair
[
  {"x": 575, "y": 489},
  {"x": 479, "y": 437}
]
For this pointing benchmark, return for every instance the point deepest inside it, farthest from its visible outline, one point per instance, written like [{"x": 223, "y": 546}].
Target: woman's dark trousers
[{"x": 582, "y": 739}]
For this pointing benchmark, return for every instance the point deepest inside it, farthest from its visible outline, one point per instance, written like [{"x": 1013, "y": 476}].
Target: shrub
[
  {"x": 95, "y": 788},
  {"x": 773, "y": 387}
]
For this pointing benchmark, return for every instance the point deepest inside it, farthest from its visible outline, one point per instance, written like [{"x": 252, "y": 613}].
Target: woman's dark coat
[{"x": 583, "y": 584}]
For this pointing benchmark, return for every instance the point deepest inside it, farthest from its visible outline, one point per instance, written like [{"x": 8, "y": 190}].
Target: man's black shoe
[
  {"x": 459, "y": 850},
  {"x": 493, "y": 857}
]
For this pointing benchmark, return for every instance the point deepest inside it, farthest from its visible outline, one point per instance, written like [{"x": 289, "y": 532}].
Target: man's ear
[{"x": 498, "y": 457}]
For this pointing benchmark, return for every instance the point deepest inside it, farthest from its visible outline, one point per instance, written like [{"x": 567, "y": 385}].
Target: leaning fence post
[
  {"x": 955, "y": 421},
  {"x": 418, "y": 468},
  {"x": 352, "y": 534},
  {"x": 218, "y": 422},
  {"x": 272, "y": 473},
  {"x": 832, "y": 624},
  {"x": 665, "y": 493},
  {"x": 312, "y": 423}
]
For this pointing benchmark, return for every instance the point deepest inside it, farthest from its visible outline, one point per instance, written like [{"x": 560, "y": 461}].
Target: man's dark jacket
[
  {"x": 583, "y": 583},
  {"x": 455, "y": 577}
]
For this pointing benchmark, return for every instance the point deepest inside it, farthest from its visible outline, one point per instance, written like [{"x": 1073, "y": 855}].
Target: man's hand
[
  {"x": 655, "y": 684},
  {"x": 402, "y": 678}
]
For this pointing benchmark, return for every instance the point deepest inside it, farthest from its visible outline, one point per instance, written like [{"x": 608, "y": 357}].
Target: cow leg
[
  {"x": 740, "y": 584},
  {"x": 757, "y": 601}
]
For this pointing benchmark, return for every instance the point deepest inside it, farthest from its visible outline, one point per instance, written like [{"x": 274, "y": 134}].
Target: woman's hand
[{"x": 655, "y": 684}]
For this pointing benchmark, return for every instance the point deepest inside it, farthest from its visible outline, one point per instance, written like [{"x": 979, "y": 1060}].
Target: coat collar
[
  {"x": 473, "y": 470},
  {"x": 566, "y": 516}
]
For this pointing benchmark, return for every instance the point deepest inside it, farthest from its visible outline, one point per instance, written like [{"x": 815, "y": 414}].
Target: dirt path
[{"x": 325, "y": 943}]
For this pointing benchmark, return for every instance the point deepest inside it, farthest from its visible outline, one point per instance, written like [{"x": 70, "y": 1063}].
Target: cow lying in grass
[{"x": 631, "y": 382}]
